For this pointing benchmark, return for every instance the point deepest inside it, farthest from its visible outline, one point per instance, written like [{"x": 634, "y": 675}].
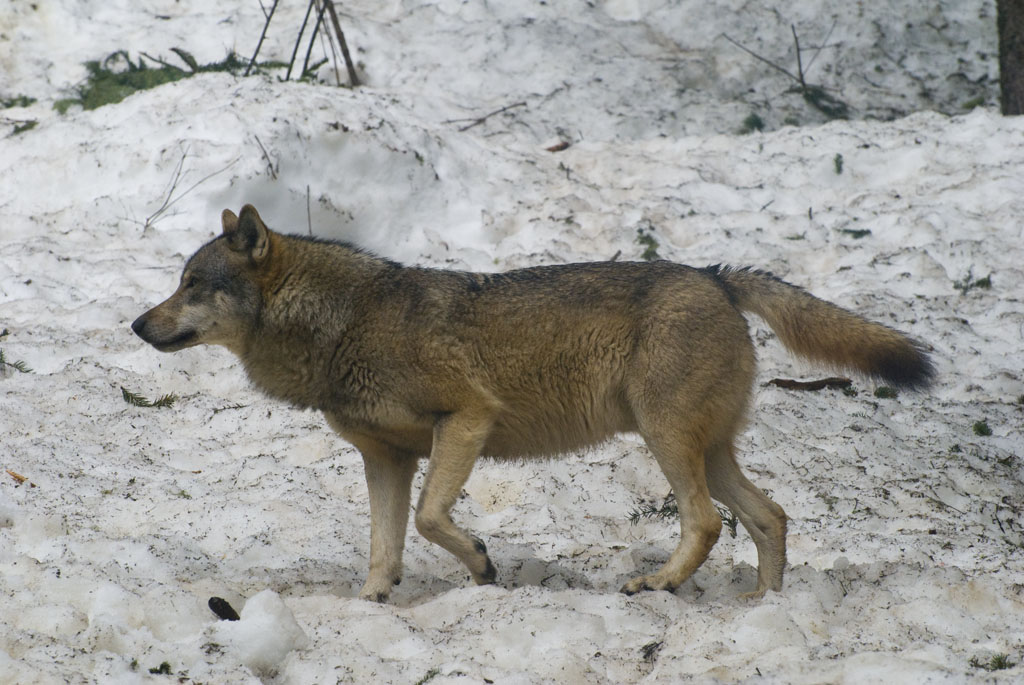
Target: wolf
[{"x": 410, "y": 363}]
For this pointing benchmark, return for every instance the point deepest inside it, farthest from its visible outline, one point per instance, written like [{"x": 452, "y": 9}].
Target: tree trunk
[{"x": 1010, "y": 23}]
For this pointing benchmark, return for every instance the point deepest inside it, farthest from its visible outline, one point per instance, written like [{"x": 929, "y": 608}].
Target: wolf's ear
[
  {"x": 247, "y": 233},
  {"x": 228, "y": 221}
]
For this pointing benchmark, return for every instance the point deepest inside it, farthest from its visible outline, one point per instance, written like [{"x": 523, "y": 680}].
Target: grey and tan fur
[{"x": 408, "y": 363}]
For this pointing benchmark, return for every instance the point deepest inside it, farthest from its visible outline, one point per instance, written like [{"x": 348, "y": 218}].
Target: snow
[
  {"x": 264, "y": 634},
  {"x": 906, "y": 543}
]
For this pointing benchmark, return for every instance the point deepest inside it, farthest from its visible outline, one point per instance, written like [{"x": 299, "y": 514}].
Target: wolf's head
[{"x": 218, "y": 299}]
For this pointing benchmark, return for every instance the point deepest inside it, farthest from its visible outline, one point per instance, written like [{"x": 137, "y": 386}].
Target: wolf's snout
[{"x": 139, "y": 325}]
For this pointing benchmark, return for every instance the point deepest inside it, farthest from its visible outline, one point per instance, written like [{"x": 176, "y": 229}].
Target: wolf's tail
[{"x": 826, "y": 333}]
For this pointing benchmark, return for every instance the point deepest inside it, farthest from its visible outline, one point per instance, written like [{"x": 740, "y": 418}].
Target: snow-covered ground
[{"x": 906, "y": 540}]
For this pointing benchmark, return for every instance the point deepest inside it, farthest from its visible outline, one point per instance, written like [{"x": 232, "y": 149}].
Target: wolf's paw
[
  {"x": 378, "y": 590},
  {"x": 644, "y": 583},
  {"x": 489, "y": 573},
  {"x": 755, "y": 596}
]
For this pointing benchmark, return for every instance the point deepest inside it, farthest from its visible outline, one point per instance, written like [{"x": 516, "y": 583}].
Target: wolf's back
[{"x": 823, "y": 332}]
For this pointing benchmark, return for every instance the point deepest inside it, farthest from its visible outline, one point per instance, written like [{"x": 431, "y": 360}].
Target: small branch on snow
[
  {"x": 935, "y": 498},
  {"x": 480, "y": 120},
  {"x": 799, "y": 60},
  {"x": 789, "y": 384},
  {"x": 170, "y": 199},
  {"x": 160, "y": 61},
  {"x": 815, "y": 96},
  {"x": 270, "y": 163},
  {"x": 824, "y": 44},
  {"x": 756, "y": 56}
]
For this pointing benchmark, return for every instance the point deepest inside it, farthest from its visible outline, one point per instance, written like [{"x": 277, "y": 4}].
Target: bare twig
[
  {"x": 799, "y": 60},
  {"x": 270, "y": 163},
  {"x": 824, "y": 44},
  {"x": 295, "y": 50},
  {"x": 160, "y": 61},
  {"x": 815, "y": 96},
  {"x": 170, "y": 199},
  {"x": 935, "y": 498},
  {"x": 479, "y": 120},
  {"x": 790, "y": 384},
  {"x": 312, "y": 38},
  {"x": 352, "y": 78},
  {"x": 262, "y": 36},
  {"x": 995, "y": 516},
  {"x": 756, "y": 56},
  {"x": 309, "y": 217},
  {"x": 330, "y": 49},
  {"x": 172, "y": 186}
]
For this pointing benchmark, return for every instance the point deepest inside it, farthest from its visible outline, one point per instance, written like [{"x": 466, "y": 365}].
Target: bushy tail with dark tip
[{"x": 823, "y": 332}]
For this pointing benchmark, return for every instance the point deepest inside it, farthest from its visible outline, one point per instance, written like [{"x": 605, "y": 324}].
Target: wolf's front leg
[
  {"x": 389, "y": 473},
  {"x": 389, "y": 478}
]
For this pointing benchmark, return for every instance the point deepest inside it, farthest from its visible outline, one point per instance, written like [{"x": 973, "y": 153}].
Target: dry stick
[
  {"x": 160, "y": 61},
  {"x": 309, "y": 218},
  {"x": 814, "y": 95},
  {"x": 480, "y": 120},
  {"x": 262, "y": 36},
  {"x": 791, "y": 384},
  {"x": 312, "y": 38},
  {"x": 756, "y": 56},
  {"x": 295, "y": 50},
  {"x": 172, "y": 186},
  {"x": 170, "y": 200},
  {"x": 799, "y": 61},
  {"x": 824, "y": 44},
  {"x": 352, "y": 78},
  {"x": 333, "y": 50},
  {"x": 270, "y": 164}
]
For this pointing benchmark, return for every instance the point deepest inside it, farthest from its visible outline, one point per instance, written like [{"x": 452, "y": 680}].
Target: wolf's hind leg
[
  {"x": 764, "y": 519},
  {"x": 681, "y": 458},
  {"x": 458, "y": 440}
]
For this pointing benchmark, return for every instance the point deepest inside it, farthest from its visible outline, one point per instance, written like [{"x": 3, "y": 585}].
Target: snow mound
[{"x": 264, "y": 635}]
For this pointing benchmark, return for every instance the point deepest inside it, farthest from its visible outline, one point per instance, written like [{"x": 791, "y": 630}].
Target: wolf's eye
[{"x": 190, "y": 282}]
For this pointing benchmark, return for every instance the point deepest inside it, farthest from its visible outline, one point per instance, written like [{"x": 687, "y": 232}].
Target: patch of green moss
[
  {"x": 22, "y": 126},
  {"x": 105, "y": 86},
  {"x": 16, "y": 101},
  {"x": 646, "y": 239},
  {"x": 117, "y": 76},
  {"x": 974, "y": 102},
  {"x": 752, "y": 123}
]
